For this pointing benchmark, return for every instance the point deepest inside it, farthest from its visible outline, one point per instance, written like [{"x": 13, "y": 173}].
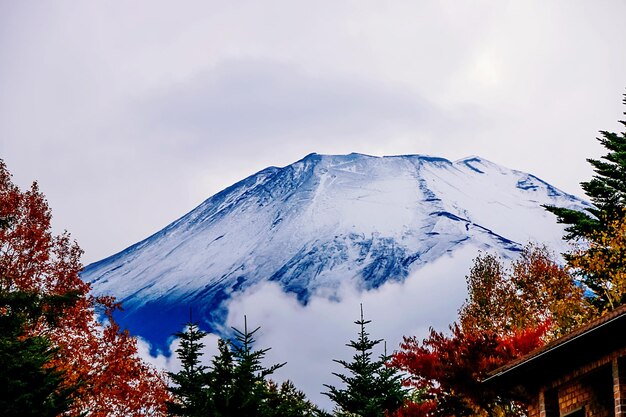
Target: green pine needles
[
  {"x": 249, "y": 382},
  {"x": 372, "y": 389},
  {"x": 30, "y": 386},
  {"x": 235, "y": 385},
  {"x": 606, "y": 190},
  {"x": 190, "y": 382}
]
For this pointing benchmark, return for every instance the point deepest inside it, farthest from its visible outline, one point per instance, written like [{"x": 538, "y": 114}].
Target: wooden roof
[{"x": 583, "y": 345}]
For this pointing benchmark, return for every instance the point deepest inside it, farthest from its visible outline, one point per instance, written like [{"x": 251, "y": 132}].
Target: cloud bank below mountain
[{"x": 308, "y": 337}]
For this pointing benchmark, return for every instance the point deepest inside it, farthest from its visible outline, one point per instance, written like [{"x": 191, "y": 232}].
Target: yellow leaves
[
  {"x": 601, "y": 263},
  {"x": 533, "y": 292}
]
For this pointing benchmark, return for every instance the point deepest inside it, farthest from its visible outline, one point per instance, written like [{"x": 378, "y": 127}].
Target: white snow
[{"x": 333, "y": 204}]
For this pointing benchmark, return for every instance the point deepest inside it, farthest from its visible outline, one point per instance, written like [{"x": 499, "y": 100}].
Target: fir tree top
[
  {"x": 606, "y": 190},
  {"x": 190, "y": 381},
  {"x": 371, "y": 388}
]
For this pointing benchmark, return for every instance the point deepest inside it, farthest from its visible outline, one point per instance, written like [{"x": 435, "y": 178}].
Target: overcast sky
[{"x": 129, "y": 114}]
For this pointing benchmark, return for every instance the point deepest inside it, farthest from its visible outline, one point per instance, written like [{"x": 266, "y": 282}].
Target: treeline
[
  {"x": 58, "y": 359},
  {"x": 238, "y": 384}
]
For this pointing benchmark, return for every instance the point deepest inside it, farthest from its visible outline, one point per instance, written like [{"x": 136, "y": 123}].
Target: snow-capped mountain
[{"x": 318, "y": 222}]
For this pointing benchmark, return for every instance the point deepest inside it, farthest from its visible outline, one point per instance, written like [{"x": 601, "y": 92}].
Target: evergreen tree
[
  {"x": 236, "y": 384},
  {"x": 190, "y": 390},
  {"x": 287, "y": 401},
  {"x": 30, "y": 385},
  {"x": 249, "y": 383},
  {"x": 371, "y": 389},
  {"x": 606, "y": 190},
  {"x": 221, "y": 381}
]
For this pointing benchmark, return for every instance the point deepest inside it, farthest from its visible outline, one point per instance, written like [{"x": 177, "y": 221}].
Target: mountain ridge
[{"x": 315, "y": 223}]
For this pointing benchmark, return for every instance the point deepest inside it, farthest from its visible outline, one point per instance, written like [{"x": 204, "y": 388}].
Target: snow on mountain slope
[{"x": 314, "y": 224}]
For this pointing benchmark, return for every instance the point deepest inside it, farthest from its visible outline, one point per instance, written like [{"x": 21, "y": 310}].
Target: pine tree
[
  {"x": 287, "y": 401},
  {"x": 221, "y": 381},
  {"x": 30, "y": 385},
  {"x": 236, "y": 383},
  {"x": 606, "y": 190},
  {"x": 371, "y": 389},
  {"x": 190, "y": 392},
  {"x": 249, "y": 384}
]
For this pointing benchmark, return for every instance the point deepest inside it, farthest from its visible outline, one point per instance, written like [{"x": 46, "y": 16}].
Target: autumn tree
[
  {"x": 509, "y": 311},
  {"x": 100, "y": 359},
  {"x": 607, "y": 191},
  {"x": 489, "y": 300},
  {"x": 601, "y": 265},
  {"x": 534, "y": 291},
  {"x": 30, "y": 384},
  {"x": 371, "y": 388},
  {"x": 448, "y": 370}
]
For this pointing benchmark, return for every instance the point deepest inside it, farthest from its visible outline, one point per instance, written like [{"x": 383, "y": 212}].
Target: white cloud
[
  {"x": 309, "y": 337},
  {"x": 172, "y": 363}
]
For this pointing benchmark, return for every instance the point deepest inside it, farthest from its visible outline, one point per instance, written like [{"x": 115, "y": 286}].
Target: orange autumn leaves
[
  {"x": 535, "y": 291},
  {"x": 601, "y": 265},
  {"x": 101, "y": 360},
  {"x": 508, "y": 313}
]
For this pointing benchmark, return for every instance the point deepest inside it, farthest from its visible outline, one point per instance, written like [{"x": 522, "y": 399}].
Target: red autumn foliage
[
  {"x": 508, "y": 313},
  {"x": 448, "y": 369},
  {"x": 101, "y": 359},
  {"x": 534, "y": 291},
  {"x": 416, "y": 409}
]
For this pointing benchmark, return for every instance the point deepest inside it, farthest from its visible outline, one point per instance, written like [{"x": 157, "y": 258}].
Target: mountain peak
[{"x": 318, "y": 222}]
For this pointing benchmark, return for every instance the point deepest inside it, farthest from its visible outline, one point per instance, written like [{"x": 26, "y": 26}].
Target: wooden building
[{"x": 582, "y": 374}]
